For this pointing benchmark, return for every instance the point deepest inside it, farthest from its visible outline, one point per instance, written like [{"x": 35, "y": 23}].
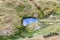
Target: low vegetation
[{"x": 13, "y": 11}]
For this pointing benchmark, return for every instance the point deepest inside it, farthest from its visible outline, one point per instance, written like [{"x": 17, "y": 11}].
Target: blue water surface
[{"x": 29, "y": 21}]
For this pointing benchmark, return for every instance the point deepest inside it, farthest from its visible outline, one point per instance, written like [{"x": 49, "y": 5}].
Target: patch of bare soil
[{"x": 53, "y": 38}]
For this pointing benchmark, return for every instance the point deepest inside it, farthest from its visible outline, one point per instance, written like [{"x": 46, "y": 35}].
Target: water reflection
[{"x": 28, "y": 21}]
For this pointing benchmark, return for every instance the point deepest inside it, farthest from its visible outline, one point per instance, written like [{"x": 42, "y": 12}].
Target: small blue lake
[{"x": 28, "y": 21}]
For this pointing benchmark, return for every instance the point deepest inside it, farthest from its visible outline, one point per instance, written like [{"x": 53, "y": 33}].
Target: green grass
[
  {"x": 44, "y": 31},
  {"x": 23, "y": 33},
  {"x": 53, "y": 28}
]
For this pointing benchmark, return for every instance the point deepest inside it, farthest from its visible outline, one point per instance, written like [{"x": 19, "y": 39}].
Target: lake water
[{"x": 28, "y": 21}]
